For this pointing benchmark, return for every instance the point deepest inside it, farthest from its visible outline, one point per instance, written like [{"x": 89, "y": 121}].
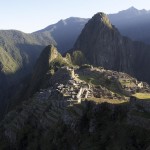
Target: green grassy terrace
[{"x": 145, "y": 96}]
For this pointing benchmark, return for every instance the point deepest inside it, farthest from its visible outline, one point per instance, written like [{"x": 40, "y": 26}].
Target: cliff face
[{"x": 102, "y": 45}]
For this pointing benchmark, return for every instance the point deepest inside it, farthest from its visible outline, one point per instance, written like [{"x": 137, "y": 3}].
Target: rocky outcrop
[
  {"x": 102, "y": 45},
  {"x": 45, "y": 63}
]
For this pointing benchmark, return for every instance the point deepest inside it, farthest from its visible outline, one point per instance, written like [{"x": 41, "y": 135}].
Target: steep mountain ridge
[
  {"x": 103, "y": 45},
  {"x": 65, "y": 32}
]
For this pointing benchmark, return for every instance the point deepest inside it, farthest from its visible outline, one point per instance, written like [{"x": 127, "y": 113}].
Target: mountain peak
[
  {"x": 132, "y": 8},
  {"x": 132, "y": 11},
  {"x": 62, "y": 22},
  {"x": 51, "y": 52},
  {"x": 100, "y": 14},
  {"x": 103, "y": 18}
]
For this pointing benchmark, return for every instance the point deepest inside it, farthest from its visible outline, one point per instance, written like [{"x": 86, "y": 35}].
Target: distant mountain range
[
  {"x": 133, "y": 23},
  {"x": 65, "y": 32}
]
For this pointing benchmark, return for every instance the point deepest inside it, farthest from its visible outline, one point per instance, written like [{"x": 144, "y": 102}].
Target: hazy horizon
[{"x": 29, "y": 16}]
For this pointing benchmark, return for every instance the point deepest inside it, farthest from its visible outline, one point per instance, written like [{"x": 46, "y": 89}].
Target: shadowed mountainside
[
  {"x": 18, "y": 53},
  {"x": 65, "y": 32}
]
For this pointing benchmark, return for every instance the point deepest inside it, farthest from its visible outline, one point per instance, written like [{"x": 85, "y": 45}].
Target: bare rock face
[
  {"x": 102, "y": 45},
  {"x": 53, "y": 53}
]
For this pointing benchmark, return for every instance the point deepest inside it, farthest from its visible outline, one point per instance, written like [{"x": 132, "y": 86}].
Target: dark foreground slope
[{"x": 101, "y": 44}]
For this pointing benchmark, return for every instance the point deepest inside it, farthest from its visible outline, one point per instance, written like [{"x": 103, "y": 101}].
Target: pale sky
[{"x": 32, "y": 15}]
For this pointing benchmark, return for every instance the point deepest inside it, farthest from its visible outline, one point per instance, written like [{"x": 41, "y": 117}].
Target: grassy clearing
[
  {"x": 142, "y": 96},
  {"x": 90, "y": 79},
  {"x": 102, "y": 100},
  {"x": 96, "y": 79}
]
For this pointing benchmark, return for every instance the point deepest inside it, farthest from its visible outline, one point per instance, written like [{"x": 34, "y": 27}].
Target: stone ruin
[{"x": 74, "y": 91}]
